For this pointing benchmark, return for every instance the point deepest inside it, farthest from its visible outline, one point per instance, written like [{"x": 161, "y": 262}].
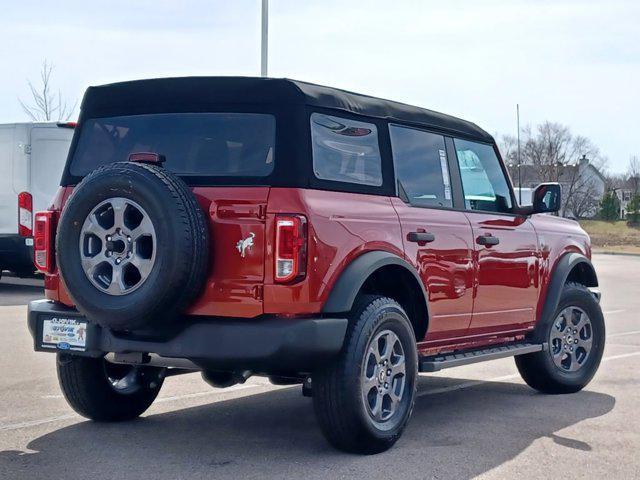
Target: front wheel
[
  {"x": 364, "y": 398},
  {"x": 575, "y": 337},
  {"x": 105, "y": 391}
]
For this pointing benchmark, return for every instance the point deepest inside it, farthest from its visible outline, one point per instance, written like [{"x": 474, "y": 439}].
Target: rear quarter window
[
  {"x": 198, "y": 144},
  {"x": 345, "y": 150}
]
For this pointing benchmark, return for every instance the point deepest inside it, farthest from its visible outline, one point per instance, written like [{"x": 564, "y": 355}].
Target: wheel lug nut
[
  {"x": 575, "y": 341},
  {"x": 389, "y": 372},
  {"x": 386, "y": 385}
]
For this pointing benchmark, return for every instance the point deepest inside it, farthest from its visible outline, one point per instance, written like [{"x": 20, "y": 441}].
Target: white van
[{"x": 32, "y": 157}]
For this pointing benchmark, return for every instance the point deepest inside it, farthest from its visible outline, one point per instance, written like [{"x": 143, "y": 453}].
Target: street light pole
[
  {"x": 264, "y": 45},
  {"x": 519, "y": 163}
]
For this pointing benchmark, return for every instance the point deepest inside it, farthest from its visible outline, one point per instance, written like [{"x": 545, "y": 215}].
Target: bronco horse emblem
[{"x": 245, "y": 244}]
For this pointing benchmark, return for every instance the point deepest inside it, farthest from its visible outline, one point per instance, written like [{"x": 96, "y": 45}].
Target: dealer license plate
[{"x": 64, "y": 333}]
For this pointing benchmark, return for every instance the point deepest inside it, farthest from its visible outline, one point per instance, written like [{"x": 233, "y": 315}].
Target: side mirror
[{"x": 547, "y": 198}]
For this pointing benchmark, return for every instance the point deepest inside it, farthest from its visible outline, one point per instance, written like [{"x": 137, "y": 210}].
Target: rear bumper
[
  {"x": 267, "y": 346},
  {"x": 15, "y": 254}
]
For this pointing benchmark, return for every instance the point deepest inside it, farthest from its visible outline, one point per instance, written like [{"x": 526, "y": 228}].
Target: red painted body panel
[
  {"x": 556, "y": 237},
  {"x": 234, "y": 284},
  {"x": 477, "y": 295},
  {"x": 445, "y": 266},
  {"x": 342, "y": 226},
  {"x": 507, "y": 274}
]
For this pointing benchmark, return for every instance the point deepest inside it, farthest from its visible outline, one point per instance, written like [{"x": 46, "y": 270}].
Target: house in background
[
  {"x": 625, "y": 192},
  {"x": 583, "y": 185}
]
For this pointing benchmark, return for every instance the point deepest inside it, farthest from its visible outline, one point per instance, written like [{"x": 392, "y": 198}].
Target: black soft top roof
[{"x": 203, "y": 93}]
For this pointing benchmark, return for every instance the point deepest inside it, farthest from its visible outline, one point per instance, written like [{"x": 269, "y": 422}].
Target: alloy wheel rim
[
  {"x": 383, "y": 376},
  {"x": 125, "y": 379},
  {"x": 117, "y": 246},
  {"x": 571, "y": 339}
]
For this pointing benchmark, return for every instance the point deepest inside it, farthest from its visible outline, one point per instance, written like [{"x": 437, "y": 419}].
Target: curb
[{"x": 624, "y": 254}]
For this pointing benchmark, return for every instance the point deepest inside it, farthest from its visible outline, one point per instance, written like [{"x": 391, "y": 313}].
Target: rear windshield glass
[{"x": 202, "y": 144}]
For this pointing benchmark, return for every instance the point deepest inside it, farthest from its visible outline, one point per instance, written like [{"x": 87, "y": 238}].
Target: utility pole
[
  {"x": 519, "y": 163},
  {"x": 264, "y": 46}
]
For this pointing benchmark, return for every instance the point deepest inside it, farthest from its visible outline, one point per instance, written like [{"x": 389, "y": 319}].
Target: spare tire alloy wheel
[
  {"x": 117, "y": 246},
  {"x": 132, "y": 247}
]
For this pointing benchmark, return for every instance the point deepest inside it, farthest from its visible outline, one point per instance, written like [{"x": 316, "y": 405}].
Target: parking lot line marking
[
  {"x": 503, "y": 378},
  {"x": 611, "y": 312},
  {"x": 452, "y": 388},
  {"x": 461, "y": 386},
  {"x": 35, "y": 423},
  {"x": 623, "y": 334},
  {"x": 622, "y": 355}
]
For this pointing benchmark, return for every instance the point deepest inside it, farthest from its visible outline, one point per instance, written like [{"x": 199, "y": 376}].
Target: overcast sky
[{"x": 573, "y": 62}]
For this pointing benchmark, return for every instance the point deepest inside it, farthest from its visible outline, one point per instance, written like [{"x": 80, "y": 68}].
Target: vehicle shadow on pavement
[{"x": 454, "y": 435}]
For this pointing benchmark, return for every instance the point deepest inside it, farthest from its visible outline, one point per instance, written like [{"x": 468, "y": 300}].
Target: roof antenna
[{"x": 519, "y": 163}]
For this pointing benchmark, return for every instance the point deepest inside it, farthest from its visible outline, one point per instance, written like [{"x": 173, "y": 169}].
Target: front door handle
[
  {"x": 421, "y": 237},
  {"x": 487, "y": 240}
]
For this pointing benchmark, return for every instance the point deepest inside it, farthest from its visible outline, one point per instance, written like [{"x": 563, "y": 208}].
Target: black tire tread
[
  {"x": 534, "y": 367},
  {"x": 86, "y": 389},
  {"x": 193, "y": 228},
  {"x": 333, "y": 409}
]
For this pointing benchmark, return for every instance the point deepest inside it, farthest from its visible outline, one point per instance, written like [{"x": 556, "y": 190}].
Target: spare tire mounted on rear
[{"x": 132, "y": 246}]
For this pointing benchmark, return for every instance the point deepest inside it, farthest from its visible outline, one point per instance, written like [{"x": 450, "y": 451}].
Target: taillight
[
  {"x": 25, "y": 214},
  {"x": 43, "y": 254},
  {"x": 291, "y": 248}
]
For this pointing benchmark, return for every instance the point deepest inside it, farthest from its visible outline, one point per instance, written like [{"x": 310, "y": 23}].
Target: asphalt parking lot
[{"x": 478, "y": 421}]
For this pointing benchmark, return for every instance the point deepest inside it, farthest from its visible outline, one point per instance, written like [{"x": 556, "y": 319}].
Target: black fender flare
[
  {"x": 353, "y": 277},
  {"x": 568, "y": 263}
]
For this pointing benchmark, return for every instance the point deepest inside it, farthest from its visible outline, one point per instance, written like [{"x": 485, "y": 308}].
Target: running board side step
[{"x": 466, "y": 357}]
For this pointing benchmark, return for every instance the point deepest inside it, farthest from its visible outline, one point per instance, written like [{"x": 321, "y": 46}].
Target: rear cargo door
[
  {"x": 237, "y": 250},
  {"x": 49, "y": 148},
  {"x": 8, "y": 194}
]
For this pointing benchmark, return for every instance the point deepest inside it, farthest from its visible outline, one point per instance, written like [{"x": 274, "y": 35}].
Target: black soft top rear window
[{"x": 194, "y": 144}]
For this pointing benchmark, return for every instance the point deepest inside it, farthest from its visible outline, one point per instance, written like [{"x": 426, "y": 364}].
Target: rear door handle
[
  {"x": 487, "y": 240},
  {"x": 420, "y": 237}
]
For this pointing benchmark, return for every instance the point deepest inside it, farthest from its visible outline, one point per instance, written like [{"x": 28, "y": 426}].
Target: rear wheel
[
  {"x": 107, "y": 392},
  {"x": 364, "y": 398},
  {"x": 575, "y": 337}
]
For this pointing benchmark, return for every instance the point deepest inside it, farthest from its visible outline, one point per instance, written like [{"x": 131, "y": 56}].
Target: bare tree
[
  {"x": 582, "y": 197},
  {"x": 551, "y": 153},
  {"x": 46, "y": 105}
]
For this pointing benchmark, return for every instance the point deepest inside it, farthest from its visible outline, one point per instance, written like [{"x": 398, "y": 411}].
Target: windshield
[{"x": 199, "y": 144}]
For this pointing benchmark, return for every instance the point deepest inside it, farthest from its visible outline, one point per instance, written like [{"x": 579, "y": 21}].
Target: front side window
[
  {"x": 345, "y": 150},
  {"x": 199, "y": 144},
  {"x": 483, "y": 180},
  {"x": 421, "y": 166}
]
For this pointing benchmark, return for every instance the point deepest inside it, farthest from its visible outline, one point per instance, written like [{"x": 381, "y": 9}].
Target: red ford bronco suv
[{"x": 245, "y": 226}]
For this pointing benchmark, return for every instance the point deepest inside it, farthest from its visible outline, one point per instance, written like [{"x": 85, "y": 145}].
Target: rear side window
[
  {"x": 483, "y": 181},
  {"x": 199, "y": 144},
  {"x": 345, "y": 150},
  {"x": 422, "y": 171}
]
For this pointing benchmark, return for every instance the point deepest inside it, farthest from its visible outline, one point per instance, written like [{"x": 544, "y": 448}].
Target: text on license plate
[{"x": 64, "y": 333}]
